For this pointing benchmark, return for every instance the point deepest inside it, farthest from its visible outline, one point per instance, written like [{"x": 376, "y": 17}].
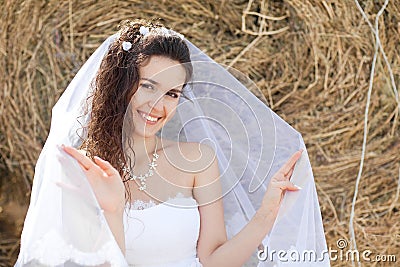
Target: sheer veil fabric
[{"x": 65, "y": 226}]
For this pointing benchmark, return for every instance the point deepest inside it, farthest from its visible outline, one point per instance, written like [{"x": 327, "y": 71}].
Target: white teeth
[{"x": 149, "y": 118}]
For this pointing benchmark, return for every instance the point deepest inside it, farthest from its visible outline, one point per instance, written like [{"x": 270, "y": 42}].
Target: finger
[
  {"x": 69, "y": 187},
  {"x": 83, "y": 160},
  {"x": 106, "y": 166},
  {"x": 289, "y": 174},
  {"x": 291, "y": 162},
  {"x": 72, "y": 189},
  {"x": 287, "y": 185}
]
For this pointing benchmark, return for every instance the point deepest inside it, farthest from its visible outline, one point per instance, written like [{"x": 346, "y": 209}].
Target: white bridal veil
[{"x": 65, "y": 226}]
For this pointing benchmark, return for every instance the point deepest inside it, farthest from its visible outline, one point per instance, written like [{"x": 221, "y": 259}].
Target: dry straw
[{"x": 317, "y": 63}]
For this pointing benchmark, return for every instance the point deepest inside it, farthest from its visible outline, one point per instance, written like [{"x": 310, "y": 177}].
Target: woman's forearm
[
  {"x": 236, "y": 251},
  {"x": 115, "y": 222}
]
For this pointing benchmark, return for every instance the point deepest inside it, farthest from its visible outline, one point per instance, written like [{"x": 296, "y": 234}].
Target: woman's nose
[{"x": 157, "y": 103}]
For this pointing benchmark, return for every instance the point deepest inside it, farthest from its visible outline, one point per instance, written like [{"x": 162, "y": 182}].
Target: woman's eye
[
  {"x": 173, "y": 94},
  {"x": 147, "y": 86}
]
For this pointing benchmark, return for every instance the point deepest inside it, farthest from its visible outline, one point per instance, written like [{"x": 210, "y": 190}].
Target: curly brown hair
[{"x": 117, "y": 81}]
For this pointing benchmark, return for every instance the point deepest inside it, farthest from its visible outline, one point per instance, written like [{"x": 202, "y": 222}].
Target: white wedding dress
[
  {"x": 65, "y": 225},
  {"x": 162, "y": 235}
]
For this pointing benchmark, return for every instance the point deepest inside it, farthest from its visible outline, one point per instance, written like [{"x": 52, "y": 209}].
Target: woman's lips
[{"x": 148, "y": 119}]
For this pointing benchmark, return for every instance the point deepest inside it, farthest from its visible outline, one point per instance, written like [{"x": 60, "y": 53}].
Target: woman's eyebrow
[{"x": 150, "y": 80}]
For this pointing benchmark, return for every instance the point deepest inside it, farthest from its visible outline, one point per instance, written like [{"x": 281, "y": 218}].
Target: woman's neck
[{"x": 144, "y": 148}]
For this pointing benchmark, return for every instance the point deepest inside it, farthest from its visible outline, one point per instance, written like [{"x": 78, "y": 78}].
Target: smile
[{"x": 148, "y": 118}]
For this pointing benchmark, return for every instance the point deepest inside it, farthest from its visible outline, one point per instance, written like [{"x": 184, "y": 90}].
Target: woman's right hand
[
  {"x": 104, "y": 179},
  {"x": 279, "y": 184}
]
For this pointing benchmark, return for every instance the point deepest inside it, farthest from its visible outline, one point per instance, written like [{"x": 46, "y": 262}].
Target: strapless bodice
[{"x": 164, "y": 235}]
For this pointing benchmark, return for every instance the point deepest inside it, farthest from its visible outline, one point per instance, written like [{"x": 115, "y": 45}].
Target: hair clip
[
  {"x": 126, "y": 45},
  {"x": 144, "y": 30},
  {"x": 165, "y": 31}
]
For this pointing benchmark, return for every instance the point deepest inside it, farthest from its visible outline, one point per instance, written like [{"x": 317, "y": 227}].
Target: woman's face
[{"x": 161, "y": 80}]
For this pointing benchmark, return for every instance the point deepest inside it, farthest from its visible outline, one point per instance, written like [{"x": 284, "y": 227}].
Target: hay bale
[{"x": 311, "y": 59}]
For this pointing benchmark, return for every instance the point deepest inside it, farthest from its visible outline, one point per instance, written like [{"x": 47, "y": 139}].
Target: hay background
[{"x": 314, "y": 72}]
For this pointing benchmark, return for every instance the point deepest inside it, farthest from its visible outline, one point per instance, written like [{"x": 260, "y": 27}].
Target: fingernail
[
  {"x": 298, "y": 187},
  {"x": 97, "y": 158}
]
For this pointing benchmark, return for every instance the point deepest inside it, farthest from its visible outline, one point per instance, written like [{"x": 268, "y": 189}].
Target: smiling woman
[
  {"x": 207, "y": 179},
  {"x": 161, "y": 81}
]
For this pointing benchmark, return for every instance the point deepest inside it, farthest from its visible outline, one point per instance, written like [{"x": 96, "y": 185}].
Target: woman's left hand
[
  {"x": 279, "y": 183},
  {"x": 104, "y": 179}
]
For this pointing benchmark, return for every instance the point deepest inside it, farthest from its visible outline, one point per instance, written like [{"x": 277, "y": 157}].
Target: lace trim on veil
[{"x": 52, "y": 250}]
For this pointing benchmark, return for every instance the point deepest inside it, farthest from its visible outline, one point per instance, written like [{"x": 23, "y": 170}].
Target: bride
[{"x": 148, "y": 190}]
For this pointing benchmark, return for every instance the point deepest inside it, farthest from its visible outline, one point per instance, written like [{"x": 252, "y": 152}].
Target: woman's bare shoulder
[
  {"x": 198, "y": 155},
  {"x": 191, "y": 150}
]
